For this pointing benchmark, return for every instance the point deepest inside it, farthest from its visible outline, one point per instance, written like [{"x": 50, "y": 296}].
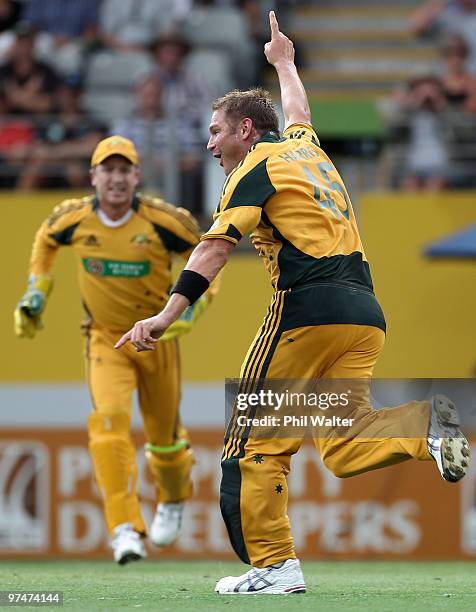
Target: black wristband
[{"x": 191, "y": 285}]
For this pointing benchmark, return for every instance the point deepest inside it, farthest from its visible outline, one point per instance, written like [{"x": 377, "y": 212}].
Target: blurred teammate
[
  {"x": 124, "y": 242},
  {"x": 324, "y": 321}
]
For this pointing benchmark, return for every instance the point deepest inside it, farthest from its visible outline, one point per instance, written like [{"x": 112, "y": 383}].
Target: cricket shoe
[
  {"x": 167, "y": 523},
  {"x": 446, "y": 442},
  {"x": 278, "y": 579},
  {"x": 127, "y": 544}
]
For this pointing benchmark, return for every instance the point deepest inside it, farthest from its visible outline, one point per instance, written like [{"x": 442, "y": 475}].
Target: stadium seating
[
  {"x": 213, "y": 66},
  {"x": 110, "y": 79},
  {"x": 358, "y": 51},
  {"x": 223, "y": 29}
]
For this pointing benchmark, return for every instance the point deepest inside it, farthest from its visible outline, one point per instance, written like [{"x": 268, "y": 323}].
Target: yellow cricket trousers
[
  {"x": 113, "y": 375},
  {"x": 295, "y": 342}
]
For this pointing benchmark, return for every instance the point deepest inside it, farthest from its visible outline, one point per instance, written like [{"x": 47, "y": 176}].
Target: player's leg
[
  {"x": 375, "y": 438},
  {"x": 379, "y": 438},
  {"x": 168, "y": 451},
  {"x": 111, "y": 379},
  {"x": 253, "y": 492}
]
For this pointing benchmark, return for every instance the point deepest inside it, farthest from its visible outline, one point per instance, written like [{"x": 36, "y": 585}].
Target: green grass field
[{"x": 369, "y": 586}]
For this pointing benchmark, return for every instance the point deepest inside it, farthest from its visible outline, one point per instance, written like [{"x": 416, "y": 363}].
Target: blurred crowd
[
  {"x": 72, "y": 71},
  {"x": 434, "y": 122}
]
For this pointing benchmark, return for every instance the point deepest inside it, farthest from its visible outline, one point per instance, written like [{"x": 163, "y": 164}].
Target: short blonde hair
[{"x": 255, "y": 104}]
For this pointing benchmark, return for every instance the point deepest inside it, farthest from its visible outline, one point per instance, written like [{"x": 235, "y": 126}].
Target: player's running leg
[
  {"x": 111, "y": 378},
  {"x": 168, "y": 451}
]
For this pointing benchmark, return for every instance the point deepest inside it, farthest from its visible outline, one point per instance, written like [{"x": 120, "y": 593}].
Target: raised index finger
[{"x": 273, "y": 22}]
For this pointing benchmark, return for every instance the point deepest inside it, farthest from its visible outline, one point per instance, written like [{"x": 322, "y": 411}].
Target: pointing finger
[
  {"x": 125, "y": 338},
  {"x": 273, "y": 22}
]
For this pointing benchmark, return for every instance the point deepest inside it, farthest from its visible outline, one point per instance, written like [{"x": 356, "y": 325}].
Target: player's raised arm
[{"x": 280, "y": 53}]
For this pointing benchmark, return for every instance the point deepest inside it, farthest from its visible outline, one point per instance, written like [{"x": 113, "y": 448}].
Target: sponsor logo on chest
[{"x": 121, "y": 269}]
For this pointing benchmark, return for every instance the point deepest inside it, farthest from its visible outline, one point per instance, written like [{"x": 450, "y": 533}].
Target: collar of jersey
[
  {"x": 135, "y": 203},
  {"x": 105, "y": 220},
  {"x": 269, "y": 137}
]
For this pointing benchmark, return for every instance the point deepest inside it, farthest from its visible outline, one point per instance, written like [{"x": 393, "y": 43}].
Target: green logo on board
[{"x": 124, "y": 269}]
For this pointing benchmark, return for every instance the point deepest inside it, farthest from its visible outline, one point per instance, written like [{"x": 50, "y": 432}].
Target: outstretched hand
[
  {"x": 144, "y": 334},
  {"x": 280, "y": 48}
]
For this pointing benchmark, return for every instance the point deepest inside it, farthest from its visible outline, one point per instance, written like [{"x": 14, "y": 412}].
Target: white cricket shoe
[
  {"x": 278, "y": 579},
  {"x": 127, "y": 544},
  {"x": 446, "y": 442},
  {"x": 167, "y": 523}
]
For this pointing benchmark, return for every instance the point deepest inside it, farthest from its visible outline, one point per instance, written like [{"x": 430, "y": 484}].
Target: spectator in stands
[
  {"x": 458, "y": 84},
  {"x": 155, "y": 137},
  {"x": 426, "y": 163},
  {"x": 10, "y": 11},
  {"x": 16, "y": 136},
  {"x": 460, "y": 120},
  {"x": 27, "y": 86},
  {"x": 449, "y": 17},
  {"x": 470, "y": 104},
  {"x": 9, "y": 14},
  {"x": 66, "y": 28},
  {"x": 133, "y": 25},
  {"x": 59, "y": 156},
  {"x": 182, "y": 91}
]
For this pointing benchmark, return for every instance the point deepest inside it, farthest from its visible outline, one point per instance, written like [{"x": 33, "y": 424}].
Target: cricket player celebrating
[
  {"x": 124, "y": 242},
  {"x": 323, "y": 322}
]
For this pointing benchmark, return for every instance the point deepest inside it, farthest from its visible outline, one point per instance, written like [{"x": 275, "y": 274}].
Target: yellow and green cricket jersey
[
  {"x": 289, "y": 195},
  {"x": 124, "y": 271}
]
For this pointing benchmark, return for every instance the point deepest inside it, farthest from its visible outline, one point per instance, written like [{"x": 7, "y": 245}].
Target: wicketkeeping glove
[
  {"x": 184, "y": 324},
  {"x": 27, "y": 315}
]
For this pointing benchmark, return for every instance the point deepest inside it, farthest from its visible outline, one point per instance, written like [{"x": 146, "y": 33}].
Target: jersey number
[{"x": 327, "y": 202}]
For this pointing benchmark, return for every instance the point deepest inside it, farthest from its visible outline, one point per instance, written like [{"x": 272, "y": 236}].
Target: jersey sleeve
[
  {"x": 43, "y": 253},
  {"x": 176, "y": 227},
  {"x": 245, "y": 194},
  {"x": 56, "y": 231},
  {"x": 302, "y": 131}
]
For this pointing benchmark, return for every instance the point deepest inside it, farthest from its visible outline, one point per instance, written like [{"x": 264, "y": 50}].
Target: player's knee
[
  {"x": 172, "y": 459},
  {"x": 112, "y": 452},
  {"x": 100, "y": 424},
  {"x": 337, "y": 468},
  {"x": 109, "y": 438}
]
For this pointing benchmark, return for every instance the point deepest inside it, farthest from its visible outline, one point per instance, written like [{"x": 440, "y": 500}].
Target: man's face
[
  {"x": 23, "y": 48},
  {"x": 225, "y": 143},
  {"x": 148, "y": 96},
  {"x": 170, "y": 57},
  {"x": 115, "y": 181}
]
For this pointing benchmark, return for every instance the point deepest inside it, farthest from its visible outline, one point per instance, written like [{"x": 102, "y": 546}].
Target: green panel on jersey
[
  {"x": 297, "y": 268},
  {"x": 123, "y": 269},
  {"x": 233, "y": 232},
  {"x": 65, "y": 236},
  {"x": 230, "y": 505},
  {"x": 254, "y": 189},
  {"x": 328, "y": 303},
  {"x": 171, "y": 241}
]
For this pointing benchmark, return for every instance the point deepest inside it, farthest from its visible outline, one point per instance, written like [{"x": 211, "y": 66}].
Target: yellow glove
[
  {"x": 184, "y": 324},
  {"x": 27, "y": 315}
]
